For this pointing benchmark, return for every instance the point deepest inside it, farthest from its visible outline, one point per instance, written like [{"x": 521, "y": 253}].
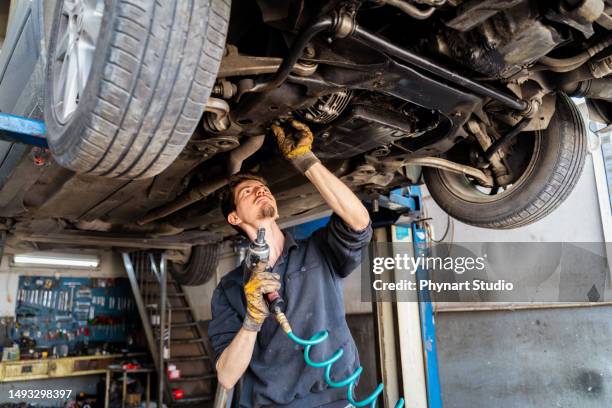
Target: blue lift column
[
  {"x": 428, "y": 323},
  {"x": 412, "y": 226}
]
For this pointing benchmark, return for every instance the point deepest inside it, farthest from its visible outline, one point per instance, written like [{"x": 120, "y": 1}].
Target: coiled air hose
[{"x": 348, "y": 382}]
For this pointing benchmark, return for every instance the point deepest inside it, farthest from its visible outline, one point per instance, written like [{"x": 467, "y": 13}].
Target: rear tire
[
  {"x": 201, "y": 266},
  {"x": 600, "y": 111},
  {"x": 152, "y": 70},
  {"x": 552, "y": 173}
]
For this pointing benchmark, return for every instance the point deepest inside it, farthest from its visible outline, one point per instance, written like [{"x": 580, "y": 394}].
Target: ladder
[{"x": 184, "y": 343}]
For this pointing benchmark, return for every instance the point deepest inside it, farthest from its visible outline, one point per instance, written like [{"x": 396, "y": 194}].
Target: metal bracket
[
  {"x": 403, "y": 199},
  {"x": 236, "y": 64}
]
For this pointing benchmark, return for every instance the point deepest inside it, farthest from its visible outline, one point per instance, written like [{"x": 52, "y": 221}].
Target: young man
[{"x": 308, "y": 275}]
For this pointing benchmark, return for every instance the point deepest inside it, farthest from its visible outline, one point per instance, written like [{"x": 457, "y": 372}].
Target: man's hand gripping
[
  {"x": 259, "y": 284},
  {"x": 295, "y": 143}
]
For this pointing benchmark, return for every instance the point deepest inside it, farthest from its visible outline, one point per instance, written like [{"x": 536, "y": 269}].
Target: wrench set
[{"x": 70, "y": 310}]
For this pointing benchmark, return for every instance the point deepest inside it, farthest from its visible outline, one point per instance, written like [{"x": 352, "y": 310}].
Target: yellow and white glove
[
  {"x": 258, "y": 285},
  {"x": 295, "y": 143}
]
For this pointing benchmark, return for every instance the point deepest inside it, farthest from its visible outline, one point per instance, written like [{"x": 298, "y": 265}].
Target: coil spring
[{"x": 349, "y": 382}]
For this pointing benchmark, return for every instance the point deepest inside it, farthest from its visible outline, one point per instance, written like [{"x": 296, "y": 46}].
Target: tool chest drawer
[{"x": 24, "y": 370}]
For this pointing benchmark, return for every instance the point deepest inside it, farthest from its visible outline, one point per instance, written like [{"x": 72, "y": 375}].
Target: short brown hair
[{"x": 228, "y": 204}]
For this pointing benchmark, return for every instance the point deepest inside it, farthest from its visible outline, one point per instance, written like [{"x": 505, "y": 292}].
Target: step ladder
[{"x": 184, "y": 344}]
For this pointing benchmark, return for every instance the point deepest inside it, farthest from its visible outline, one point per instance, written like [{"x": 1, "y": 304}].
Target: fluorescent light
[{"x": 53, "y": 259}]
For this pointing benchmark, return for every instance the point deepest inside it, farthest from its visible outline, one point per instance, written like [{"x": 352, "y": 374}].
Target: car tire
[
  {"x": 555, "y": 165},
  {"x": 600, "y": 111},
  {"x": 200, "y": 268},
  {"x": 152, "y": 68}
]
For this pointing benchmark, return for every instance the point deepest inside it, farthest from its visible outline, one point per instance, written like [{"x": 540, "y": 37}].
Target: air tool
[{"x": 256, "y": 260}]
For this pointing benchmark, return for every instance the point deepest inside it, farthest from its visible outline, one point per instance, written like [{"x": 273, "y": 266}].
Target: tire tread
[
  {"x": 200, "y": 268},
  {"x": 156, "y": 79}
]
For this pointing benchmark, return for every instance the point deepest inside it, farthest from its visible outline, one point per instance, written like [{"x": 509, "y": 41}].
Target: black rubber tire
[
  {"x": 600, "y": 111},
  {"x": 154, "y": 67},
  {"x": 554, "y": 170},
  {"x": 200, "y": 268}
]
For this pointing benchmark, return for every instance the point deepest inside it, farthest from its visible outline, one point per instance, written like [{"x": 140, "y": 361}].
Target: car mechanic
[{"x": 307, "y": 274}]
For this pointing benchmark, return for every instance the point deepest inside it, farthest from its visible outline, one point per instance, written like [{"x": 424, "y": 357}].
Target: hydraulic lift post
[{"x": 414, "y": 319}]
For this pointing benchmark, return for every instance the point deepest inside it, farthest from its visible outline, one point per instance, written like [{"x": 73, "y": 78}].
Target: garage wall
[{"x": 110, "y": 267}]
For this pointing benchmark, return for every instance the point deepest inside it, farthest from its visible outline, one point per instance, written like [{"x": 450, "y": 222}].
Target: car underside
[{"x": 470, "y": 97}]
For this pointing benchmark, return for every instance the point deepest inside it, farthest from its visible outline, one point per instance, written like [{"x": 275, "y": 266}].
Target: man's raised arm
[
  {"x": 339, "y": 197},
  {"x": 298, "y": 150}
]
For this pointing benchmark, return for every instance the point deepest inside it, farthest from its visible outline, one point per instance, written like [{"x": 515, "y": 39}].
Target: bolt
[
  {"x": 39, "y": 161},
  {"x": 309, "y": 51}
]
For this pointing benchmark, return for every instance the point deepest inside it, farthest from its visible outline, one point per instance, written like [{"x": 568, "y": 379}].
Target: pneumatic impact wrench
[{"x": 256, "y": 259}]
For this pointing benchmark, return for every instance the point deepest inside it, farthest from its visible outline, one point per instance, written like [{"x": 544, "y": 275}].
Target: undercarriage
[{"x": 396, "y": 92}]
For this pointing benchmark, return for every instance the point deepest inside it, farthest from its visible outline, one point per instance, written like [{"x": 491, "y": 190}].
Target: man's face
[{"x": 254, "y": 202}]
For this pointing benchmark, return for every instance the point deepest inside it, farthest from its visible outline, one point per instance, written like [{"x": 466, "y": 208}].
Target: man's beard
[{"x": 266, "y": 211}]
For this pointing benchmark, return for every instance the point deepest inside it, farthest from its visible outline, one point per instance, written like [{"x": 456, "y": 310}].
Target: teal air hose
[{"x": 348, "y": 382}]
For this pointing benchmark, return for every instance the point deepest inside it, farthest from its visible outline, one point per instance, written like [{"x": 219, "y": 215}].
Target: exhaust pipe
[
  {"x": 342, "y": 26},
  {"x": 236, "y": 158}
]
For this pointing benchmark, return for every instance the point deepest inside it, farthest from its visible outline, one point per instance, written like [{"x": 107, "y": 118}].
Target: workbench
[
  {"x": 124, "y": 379},
  {"x": 39, "y": 369}
]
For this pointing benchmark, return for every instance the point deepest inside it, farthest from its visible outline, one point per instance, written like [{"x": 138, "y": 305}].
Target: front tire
[
  {"x": 128, "y": 80},
  {"x": 555, "y": 165}
]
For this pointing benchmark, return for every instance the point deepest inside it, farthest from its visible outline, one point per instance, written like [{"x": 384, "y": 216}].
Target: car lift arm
[{"x": 22, "y": 130}]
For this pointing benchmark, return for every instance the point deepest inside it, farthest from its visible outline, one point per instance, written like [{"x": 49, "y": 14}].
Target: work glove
[
  {"x": 258, "y": 285},
  {"x": 295, "y": 143}
]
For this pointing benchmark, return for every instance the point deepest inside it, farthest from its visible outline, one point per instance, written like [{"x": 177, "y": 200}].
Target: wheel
[
  {"x": 600, "y": 111},
  {"x": 201, "y": 266},
  {"x": 127, "y": 81},
  {"x": 546, "y": 164}
]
